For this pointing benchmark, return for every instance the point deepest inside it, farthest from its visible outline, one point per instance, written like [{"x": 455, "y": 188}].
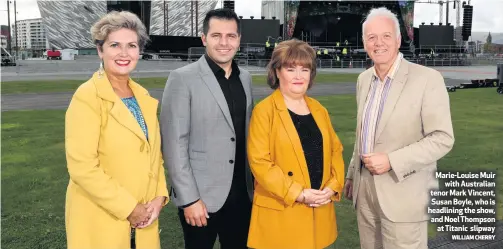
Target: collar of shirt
[
  {"x": 218, "y": 71},
  {"x": 393, "y": 69}
]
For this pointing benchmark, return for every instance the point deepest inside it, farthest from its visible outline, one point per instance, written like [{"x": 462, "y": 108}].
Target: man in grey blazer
[{"x": 206, "y": 108}]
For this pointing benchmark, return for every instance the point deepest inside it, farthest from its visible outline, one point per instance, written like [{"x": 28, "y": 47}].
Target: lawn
[
  {"x": 71, "y": 85},
  {"x": 34, "y": 175}
]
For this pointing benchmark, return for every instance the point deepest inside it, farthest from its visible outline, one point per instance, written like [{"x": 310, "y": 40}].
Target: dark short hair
[
  {"x": 291, "y": 53},
  {"x": 224, "y": 14}
]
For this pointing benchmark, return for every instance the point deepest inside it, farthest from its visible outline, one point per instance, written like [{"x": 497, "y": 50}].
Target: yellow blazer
[
  {"x": 280, "y": 169},
  {"x": 112, "y": 167}
]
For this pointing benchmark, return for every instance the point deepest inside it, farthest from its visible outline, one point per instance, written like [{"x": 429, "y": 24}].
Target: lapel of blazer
[
  {"x": 291, "y": 131},
  {"x": 148, "y": 106},
  {"x": 245, "y": 81},
  {"x": 119, "y": 110},
  {"x": 211, "y": 82},
  {"x": 394, "y": 94},
  {"x": 365, "y": 82}
]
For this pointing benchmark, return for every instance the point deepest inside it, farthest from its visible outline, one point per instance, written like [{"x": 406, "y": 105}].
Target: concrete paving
[
  {"x": 83, "y": 68},
  {"x": 41, "y": 101}
]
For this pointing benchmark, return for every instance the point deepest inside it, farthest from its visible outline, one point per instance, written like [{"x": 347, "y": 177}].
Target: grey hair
[
  {"x": 382, "y": 12},
  {"x": 116, "y": 20}
]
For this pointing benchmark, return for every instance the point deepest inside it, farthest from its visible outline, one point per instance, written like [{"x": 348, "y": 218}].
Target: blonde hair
[
  {"x": 114, "y": 21},
  {"x": 291, "y": 53}
]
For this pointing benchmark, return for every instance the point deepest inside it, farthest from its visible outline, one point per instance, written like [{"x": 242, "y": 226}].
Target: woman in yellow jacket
[
  {"x": 113, "y": 148},
  {"x": 296, "y": 158}
]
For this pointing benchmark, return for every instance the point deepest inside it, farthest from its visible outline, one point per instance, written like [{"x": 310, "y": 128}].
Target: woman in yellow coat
[
  {"x": 113, "y": 148},
  {"x": 296, "y": 158}
]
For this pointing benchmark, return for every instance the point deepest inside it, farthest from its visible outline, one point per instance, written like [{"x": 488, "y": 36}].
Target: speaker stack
[
  {"x": 229, "y": 5},
  {"x": 466, "y": 31}
]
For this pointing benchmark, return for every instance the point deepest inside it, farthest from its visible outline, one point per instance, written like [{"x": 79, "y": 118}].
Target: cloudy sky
[{"x": 486, "y": 13}]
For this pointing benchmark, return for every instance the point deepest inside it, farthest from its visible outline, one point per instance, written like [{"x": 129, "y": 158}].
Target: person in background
[
  {"x": 295, "y": 156},
  {"x": 117, "y": 184},
  {"x": 403, "y": 127}
]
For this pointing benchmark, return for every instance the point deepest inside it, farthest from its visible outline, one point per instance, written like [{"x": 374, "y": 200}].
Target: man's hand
[
  {"x": 376, "y": 163},
  {"x": 139, "y": 215},
  {"x": 196, "y": 214},
  {"x": 153, "y": 207},
  {"x": 348, "y": 189}
]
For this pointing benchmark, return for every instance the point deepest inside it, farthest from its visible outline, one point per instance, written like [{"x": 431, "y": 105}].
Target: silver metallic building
[
  {"x": 68, "y": 23},
  {"x": 274, "y": 8}
]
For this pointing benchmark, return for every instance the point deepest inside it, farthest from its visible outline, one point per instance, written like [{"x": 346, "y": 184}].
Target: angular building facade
[
  {"x": 68, "y": 23},
  {"x": 179, "y": 18}
]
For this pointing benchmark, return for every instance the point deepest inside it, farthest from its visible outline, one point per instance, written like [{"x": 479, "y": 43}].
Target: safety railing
[{"x": 166, "y": 65}]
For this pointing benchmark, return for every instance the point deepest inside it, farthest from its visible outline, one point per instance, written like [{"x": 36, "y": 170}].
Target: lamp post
[
  {"x": 15, "y": 28},
  {"x": 9, "y": 38}
]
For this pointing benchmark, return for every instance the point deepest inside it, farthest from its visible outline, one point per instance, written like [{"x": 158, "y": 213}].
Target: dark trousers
[{"x": 230, "y": 223}]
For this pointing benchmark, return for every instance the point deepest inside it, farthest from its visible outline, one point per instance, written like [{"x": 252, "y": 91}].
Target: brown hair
[
  {"x": 116, "y": 20},
  {"x": 291, "y": 53}
]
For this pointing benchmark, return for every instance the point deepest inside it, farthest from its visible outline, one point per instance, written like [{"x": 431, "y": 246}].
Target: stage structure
[
  {"x": 324, "y": 23},
  {"x": 338, "y": 25}
]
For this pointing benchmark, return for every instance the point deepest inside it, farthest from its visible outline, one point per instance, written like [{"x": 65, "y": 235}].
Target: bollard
[
  {"x": 500, "y": 73},
  {"x": 500, "y": 78}
]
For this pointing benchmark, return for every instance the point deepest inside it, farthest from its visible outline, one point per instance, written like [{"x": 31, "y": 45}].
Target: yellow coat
[
  {"x": 280, "y": 169},
  {"x": 112, "y": 167}
]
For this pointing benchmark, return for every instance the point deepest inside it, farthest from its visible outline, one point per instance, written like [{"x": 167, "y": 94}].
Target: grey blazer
[{"x": 196, "y": 131}]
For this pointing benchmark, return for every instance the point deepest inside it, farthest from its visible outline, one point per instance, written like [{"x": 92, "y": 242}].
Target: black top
[
  {"x": 235, "y": 96},
  {"x": 312, "y": 144}
]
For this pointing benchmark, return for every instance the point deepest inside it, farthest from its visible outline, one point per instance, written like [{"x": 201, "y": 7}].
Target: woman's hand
[
  {"x": 154, "y": 207},
  {"x": 325, "y": 198},
  {"x": 311, "y": 196},
  {"x": 315, "y": 198},
  {"x": 301, "y": 198},
  {"x": 140, "y": 215}
]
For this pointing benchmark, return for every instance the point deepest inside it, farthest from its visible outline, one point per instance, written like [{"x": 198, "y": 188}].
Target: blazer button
[
  {"x": 233, "y": 139},
  {"x": 290, "y": 173},
  {"x": 231, "y": 161}
]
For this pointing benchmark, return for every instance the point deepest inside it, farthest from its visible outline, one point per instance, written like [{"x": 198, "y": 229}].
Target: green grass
[
  {"x": 149, "y": 83},
  {"x": 34, "y": 175}
]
